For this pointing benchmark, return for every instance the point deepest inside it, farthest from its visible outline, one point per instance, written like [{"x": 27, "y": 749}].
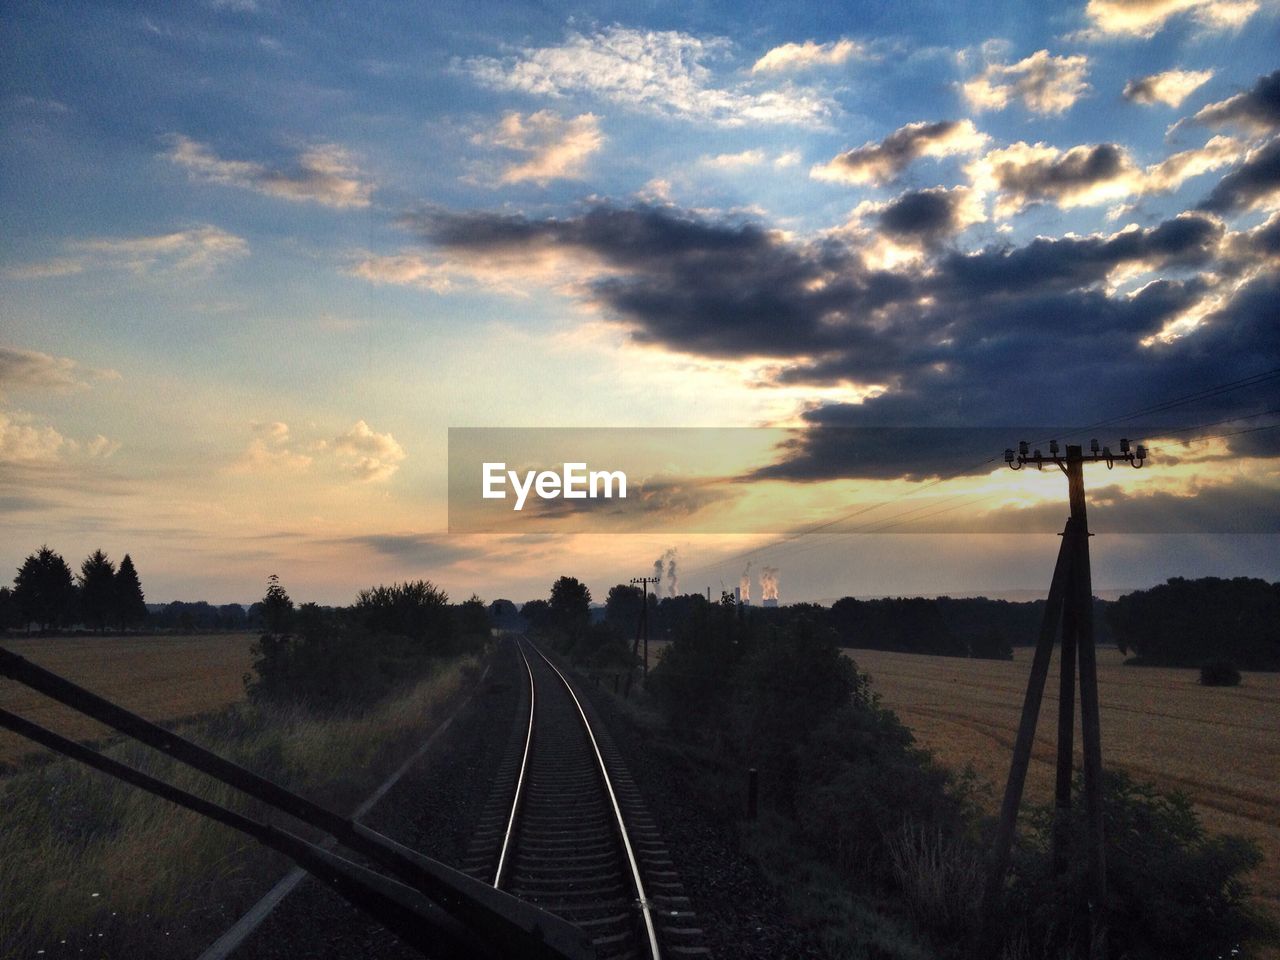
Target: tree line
[
  {"x": 49, "y": 595},
  {"x": 335, "y": 657},
  {"x": 843, "y": 783}
]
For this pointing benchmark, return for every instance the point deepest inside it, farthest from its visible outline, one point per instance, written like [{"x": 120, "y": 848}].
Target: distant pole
[
  {"x": 1070, "y": 605},
  {"x": 644, "y": 618}
]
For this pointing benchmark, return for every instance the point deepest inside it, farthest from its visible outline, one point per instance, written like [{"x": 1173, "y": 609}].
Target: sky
[{"x": 258, "y": 258}]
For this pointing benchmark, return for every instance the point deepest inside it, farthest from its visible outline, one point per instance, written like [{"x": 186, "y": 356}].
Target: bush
[
  {"x": 1174, "y": 892},
  {"x": 1219, "y": 672}
]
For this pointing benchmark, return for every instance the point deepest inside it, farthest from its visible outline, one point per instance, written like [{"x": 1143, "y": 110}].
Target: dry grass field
[
  {"x": 1220, "y": 746},
  {"x": 162, "y": 678}
]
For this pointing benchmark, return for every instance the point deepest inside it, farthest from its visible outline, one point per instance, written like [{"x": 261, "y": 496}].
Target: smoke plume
[
  {"x": 673, "y": 579},
  {"x": 769, "y": 583},
  {"x": 744, "y": 584}
]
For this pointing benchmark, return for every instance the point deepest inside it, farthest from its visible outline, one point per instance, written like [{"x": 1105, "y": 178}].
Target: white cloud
[
  {"x": 554, "y": 147},
  {"x": 271, "y": 451},
  {"x": 31, "y": 368},
  {"x": 662, "y": 72},
  {"x": 42, "y": 270},
  {"x": 1044, "y": 83},
  {"x": 324, "y": 174},
  {"x": 1145, "y": 18},
  {"x": 789, "y": 159},
  {"x": 879, "y": 162},
  {"x": 368, "y": 456},
  {"x": 196, "y": 249},
  {"x": 24, "y": 441},
  {"x": 1170, "y": 87},
  {"x": 799, "y": 56},
  {"x": 733, "y": 161},
  {"x": 21, "y": 442},
  {"x": 200, "y": 248}
]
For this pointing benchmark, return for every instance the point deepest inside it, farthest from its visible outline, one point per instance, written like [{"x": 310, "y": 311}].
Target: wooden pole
[
  {"x": 1090, "y": 722},
  {"x": 1066, "y": 726},
  {"x": 998, "y": 860}
]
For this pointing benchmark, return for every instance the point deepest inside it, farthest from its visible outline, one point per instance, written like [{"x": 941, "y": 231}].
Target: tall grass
[
  {"x": 88, "y": 862},
  {"x": 940, "y": 878}
]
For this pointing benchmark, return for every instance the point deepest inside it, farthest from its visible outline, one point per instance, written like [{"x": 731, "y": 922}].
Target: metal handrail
[{"x": 506, "y": 922}]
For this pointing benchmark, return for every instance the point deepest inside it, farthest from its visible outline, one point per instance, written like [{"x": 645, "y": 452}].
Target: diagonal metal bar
[
  {"x": 402, "y": 909},
  {"x": 518, "y": 927}
]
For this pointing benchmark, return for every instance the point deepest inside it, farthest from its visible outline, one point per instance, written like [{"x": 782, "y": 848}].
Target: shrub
[
  {"x": 1174, "y": 892},
  {"x": 1219, "y": 672}
]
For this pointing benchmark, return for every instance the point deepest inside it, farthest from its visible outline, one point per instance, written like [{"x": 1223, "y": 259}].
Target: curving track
[{"x": 565, "y": 828}]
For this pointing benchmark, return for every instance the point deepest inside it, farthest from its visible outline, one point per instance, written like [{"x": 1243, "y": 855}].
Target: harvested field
[
  {"x": 161, "y": 677},
  {"x": 1219, "y": 745}
]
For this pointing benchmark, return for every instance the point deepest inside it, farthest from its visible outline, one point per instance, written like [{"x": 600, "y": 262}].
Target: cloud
[
  {"x": 21, "y": 442},
  {"x": 555, "y": 148},
  {"x": 1256, "y": 109},
  {"x": 955, "y": 338},
  {"x": 1255, "y": 184},
  {"x": 1045, "y": 84},
  {"x": 24, "y": 441},
  {"x": 367, "y": 455},
  {"x": 931, "y": 215},
  {"x": 36, "y": 370},
  {"x": 325, "y": 173},
  {"x": 879, "y": 163},
  {"x": 198, "y": 249},
  {"x": 57, "y": 267},
  {"x": 660, "y": 72},
  {"x": 271, "y": 451},
  {"x": 734, "y": 161},
  {"x": 801, "y": 56},
  {"x": 410, "y": 269},
  {"x": 1170, "y": 87},
  {"x": 1145, "y": 18},
  {"x": 1023, "y": 174},
  {"x": 416, "y": 549}
]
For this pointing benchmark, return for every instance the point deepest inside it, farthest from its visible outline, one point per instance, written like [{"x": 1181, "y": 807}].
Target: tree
[
  {"x": 1183, "y": 622},
  {"x": 97, "y": 590},
  {"x": 536, "y": 615},
  {"x": 44, "y": 590},
  {"x": 570, "y": 606},
  {"x": 622, "y": 606},
  {"x": 8, "y": 609},
  {"x": 130, "y": 606},
  {"x": 277, "y": 608},
  {"x": 473, "y": 618},
  {"x": 416, "y": 609}
]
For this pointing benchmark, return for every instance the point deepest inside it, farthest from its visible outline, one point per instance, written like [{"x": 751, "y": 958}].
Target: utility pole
[
  {"x": 1069, "y": 606},
  {"x": 643, "y": 583}
]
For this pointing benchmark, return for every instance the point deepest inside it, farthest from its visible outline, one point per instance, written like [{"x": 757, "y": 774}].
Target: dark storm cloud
[
  {"x": 414, "y": 548},
  {"x": 927, "y": 215},
  {"x": 1036, "y": 179},
  {"x": 1005, "y": 336},
  {"x": 1256, "y": 179},
  {"x": 1257, "y": 108}
]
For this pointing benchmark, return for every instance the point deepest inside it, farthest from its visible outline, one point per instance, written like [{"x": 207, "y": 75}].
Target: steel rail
[
  {"x": 524, "y": 766},
  {"x": 654, "y": 950}
]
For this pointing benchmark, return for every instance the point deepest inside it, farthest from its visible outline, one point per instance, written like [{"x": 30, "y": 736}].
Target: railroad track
[{"x": 565, "y": 827}]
